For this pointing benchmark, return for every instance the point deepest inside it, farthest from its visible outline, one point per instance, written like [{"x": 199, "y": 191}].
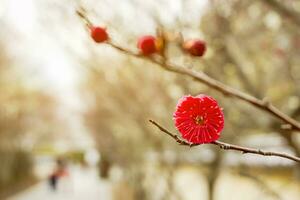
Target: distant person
[
  {"x": 59, "y": 172},
  {"x": 53, "y": 181}
]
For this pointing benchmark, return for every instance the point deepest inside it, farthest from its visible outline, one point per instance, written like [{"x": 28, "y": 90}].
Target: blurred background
[{"x": 76, "y": 110}]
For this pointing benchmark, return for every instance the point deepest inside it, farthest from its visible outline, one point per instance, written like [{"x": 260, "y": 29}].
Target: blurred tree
[{"x": 26, "y": 113}]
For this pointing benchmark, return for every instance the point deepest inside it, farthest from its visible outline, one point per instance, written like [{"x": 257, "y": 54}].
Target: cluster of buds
[{"x": 149, "y": 44}]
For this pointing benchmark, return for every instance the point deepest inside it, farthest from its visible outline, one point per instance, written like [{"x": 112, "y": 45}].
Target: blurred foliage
[
  {"x": 10, "y": 172},
  {"x": 25, "y": 114}
]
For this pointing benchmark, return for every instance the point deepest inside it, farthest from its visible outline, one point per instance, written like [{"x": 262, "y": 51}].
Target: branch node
[
  {"x": 266, "y": 102},
  {"x": 261, "y": 152},
  {"x": 225, "y": 146}
]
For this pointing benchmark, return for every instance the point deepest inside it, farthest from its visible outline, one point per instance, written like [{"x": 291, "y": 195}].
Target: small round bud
[
  {"x": 195, "y": 47},
  {"x": 99, "y": 34},
  {"x": 147, "y": 45}
]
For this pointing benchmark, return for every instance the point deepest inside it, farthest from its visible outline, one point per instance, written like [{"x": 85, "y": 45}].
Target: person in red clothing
[{"x": 59, "y": 172}]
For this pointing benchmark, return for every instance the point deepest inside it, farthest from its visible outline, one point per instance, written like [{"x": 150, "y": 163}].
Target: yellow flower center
[{"x": 199, "y": 120}]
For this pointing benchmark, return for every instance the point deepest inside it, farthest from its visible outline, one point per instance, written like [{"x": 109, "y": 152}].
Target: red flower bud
[
  {"x": 147, "y": 45},
  {"x": 99, "y": 34},
  {"x": 195, "y": 47}
]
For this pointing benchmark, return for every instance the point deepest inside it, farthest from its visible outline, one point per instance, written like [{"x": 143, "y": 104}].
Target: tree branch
[
  {"x": 203, "y": 78},
  {"x": 226, "y": 146},
  {"x": 225, "y": 89}
]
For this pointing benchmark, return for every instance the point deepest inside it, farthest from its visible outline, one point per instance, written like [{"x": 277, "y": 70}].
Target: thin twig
[
  {"x": 226, "y": 146},
  {"x": 215, "y": 84}
]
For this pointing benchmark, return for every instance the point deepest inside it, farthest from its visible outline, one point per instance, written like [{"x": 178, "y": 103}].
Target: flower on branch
[{"x": 199, "y": 119}]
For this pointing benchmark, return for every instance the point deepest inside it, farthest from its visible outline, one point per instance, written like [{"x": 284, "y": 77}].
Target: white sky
[{"x": 35, "y": 46}]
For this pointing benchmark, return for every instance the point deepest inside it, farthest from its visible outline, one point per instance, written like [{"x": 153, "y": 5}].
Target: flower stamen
[{"x": 199, "y": 120}]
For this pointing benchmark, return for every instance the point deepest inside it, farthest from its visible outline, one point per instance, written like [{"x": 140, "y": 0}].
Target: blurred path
[{"x": 83, "y": 184}]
